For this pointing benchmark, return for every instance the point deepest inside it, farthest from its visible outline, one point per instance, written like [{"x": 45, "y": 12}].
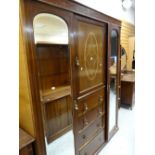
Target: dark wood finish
[
  {"x": 100, "y": 25},
  {"x": 58, "y": 92},
  {"x": 88, "y": 132},
  {"x": 88, "y": 102},
  {"x": 54, "y": 77},
  {"x": 92, "y": 146},
  {"x": 25, "y": 143},
  {"x": 58, "y": 117},
  {"x": 31, "y": 9},
  {"x": 40, "y": 148},
  {"x": 53, "y": 66},
  {"x": 90, "y": 54},
  {"x": 128, "y": 89},
  {"x": 90, "y": 78}
]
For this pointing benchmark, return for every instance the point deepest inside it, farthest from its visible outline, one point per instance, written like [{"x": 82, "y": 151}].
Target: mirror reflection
[
  {"x": 51, "y": 39},
  {"x": 123, "y": 59},
  {"x": 113, "y": 80}
]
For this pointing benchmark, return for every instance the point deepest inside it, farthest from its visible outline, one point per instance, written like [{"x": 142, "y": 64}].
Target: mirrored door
[
  {"x": 113, "y": 83},
  {"x": 53, "y": 65}
]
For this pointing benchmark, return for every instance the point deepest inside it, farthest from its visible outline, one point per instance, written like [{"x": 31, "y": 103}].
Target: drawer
[
  {"x": 94, "y": 145},
  {"x": 89, "y": 132},
  {"x": 91, "y": 101},
  {"x": 88, "y": 118},
  {"x": 90, "y": 107}
]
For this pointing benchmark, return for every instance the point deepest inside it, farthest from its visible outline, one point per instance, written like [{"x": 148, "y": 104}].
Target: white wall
[{"x": 112, "y": 8}]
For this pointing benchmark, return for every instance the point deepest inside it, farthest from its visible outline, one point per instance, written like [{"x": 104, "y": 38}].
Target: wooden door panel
[
  {"x": 90, "y": 58},
  {"x": 58, "y": 117},
  {"x": 89, "y": 85}
]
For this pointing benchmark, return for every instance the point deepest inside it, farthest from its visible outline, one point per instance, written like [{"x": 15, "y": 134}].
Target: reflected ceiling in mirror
[{"x": 50, "y": 29}]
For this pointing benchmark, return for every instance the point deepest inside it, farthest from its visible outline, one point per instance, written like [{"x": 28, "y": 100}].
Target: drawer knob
[{"x": 85, "y": 122}]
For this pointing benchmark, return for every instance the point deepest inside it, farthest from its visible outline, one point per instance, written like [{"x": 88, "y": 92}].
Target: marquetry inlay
[{"x": 91, "y": 56}]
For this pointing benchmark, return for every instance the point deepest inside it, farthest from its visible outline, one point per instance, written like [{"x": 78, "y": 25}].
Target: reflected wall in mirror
[
  {"x": 51, "y": 39},
  {"x": 113, "y": 80},
  {"x": 123, "y": 59}
]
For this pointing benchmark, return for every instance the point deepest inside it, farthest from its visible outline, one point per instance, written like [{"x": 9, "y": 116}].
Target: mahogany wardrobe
[{"x": 73, "y": 56}]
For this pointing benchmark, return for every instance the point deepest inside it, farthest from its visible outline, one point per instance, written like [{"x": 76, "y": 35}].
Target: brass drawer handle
[
  {"x": 100, "y": 99},
  {"x": 86, "y": 106},
  {"x": 100, "y": 113},
  {"x": 77, "y": 62},
  {"x": 85, "y": 122},
  {"x": 76, "y": 107}
]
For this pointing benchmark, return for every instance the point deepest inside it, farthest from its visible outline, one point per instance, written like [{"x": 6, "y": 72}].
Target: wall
[
  {"x": 112, "y": 8},
  {"x": 127, "y": 41}
]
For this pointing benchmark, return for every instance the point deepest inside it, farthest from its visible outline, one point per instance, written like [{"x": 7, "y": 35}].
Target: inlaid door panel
[
  {"x": 90, "y": 54},
  {"x": 89, "y": 83}
]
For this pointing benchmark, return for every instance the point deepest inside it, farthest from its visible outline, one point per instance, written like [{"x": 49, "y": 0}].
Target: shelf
[{"x": 56, "y": 93}]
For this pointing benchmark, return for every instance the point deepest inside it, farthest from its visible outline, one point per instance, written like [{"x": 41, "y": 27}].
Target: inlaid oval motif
[{"x": 91, "y": 56}]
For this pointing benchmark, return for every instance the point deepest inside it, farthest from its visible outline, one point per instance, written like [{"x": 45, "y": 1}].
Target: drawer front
[
  {"x": 89, "y": 132},
  {"x": 91, "y": 101},
  {"x": 90, "y": 108},
  {"x": 93, "y": 146},
  {"x": 87, "y": 119}
]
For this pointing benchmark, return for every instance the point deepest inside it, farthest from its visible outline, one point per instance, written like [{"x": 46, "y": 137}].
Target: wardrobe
[{"x": 73, "y": 56}]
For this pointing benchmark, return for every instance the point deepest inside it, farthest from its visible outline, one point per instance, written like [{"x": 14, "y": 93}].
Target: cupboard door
[
  {"x": 90, "y": 45},
  {"x": 89, "y": 83}
]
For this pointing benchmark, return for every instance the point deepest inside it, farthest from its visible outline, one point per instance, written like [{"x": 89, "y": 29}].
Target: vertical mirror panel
[
  {"x": 53, "y": 57},
  {"x": 113, "y": 80}
]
